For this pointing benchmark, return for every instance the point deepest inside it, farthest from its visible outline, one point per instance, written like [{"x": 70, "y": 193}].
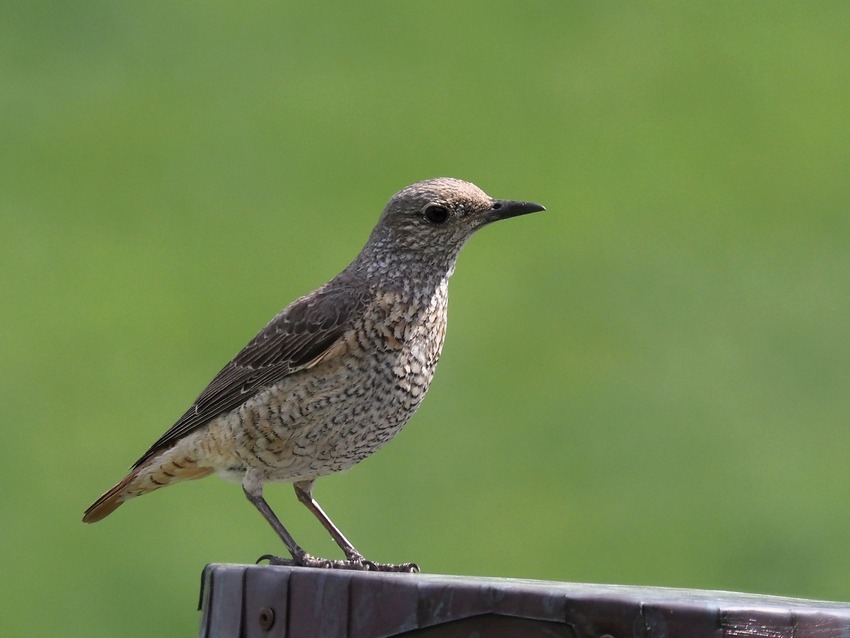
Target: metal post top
[{"x": 266, "y": 600}]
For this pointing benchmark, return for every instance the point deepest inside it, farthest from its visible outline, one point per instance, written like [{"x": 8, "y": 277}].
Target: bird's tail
[
  {"x": 149, "y": 476},
  {"x": 109, "y": 501}
]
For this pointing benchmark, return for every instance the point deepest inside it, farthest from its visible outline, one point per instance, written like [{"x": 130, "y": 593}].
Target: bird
[{"x": 335, "y": 375}]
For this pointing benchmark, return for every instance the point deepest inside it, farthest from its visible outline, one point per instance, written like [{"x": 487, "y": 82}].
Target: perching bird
[{"x": 336, "y": 374}]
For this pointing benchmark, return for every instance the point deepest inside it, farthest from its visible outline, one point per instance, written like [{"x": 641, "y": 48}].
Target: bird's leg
[
  {"x": 256, "y": 498},
  {"x": 300, "y": 558},
  {"x": 304, "y": 492}
]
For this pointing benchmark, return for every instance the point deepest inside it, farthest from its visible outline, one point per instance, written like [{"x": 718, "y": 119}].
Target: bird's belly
[{"x": 325, "y": 419}]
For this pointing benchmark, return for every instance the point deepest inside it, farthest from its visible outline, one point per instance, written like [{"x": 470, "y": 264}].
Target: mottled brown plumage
[{"x": 336, "y": 374}]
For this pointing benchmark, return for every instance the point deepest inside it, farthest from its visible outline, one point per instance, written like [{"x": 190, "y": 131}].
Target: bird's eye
[{"x": 436, "y": 214}]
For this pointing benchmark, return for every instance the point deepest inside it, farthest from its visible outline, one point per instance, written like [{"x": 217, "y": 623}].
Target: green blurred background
[{"x": 648, "y": 384}]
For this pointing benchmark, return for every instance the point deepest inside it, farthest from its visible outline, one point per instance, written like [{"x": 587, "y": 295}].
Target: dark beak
[{"x": 503, "y": 209}]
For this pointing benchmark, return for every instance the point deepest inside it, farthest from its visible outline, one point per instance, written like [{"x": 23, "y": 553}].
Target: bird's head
[{"x": 438, "y": 216}]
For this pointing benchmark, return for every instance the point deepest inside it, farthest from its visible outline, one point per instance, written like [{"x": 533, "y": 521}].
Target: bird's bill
[{"x": 503, "y": 209}]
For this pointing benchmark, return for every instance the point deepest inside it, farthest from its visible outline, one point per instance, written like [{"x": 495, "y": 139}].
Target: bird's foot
[
  {"x": 369, "y": 566},
  {"x": 355, "y": 563}
]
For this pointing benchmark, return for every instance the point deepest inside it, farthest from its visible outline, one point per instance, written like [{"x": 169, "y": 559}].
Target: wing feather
[{"x": 302, "y": 334}]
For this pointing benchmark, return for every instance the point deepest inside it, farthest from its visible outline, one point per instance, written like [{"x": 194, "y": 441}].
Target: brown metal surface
[{"x": 264, "y": 601}]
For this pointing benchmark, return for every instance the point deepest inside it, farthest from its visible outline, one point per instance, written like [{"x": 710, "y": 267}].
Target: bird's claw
[
  {"x": 370, "y": 566},
  {"x": 356, "y": 564}
]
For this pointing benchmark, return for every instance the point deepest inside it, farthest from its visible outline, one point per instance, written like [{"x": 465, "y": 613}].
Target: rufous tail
[
  {"x": 146, "y": 478},
  {"x": 106, "y": 504}
]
